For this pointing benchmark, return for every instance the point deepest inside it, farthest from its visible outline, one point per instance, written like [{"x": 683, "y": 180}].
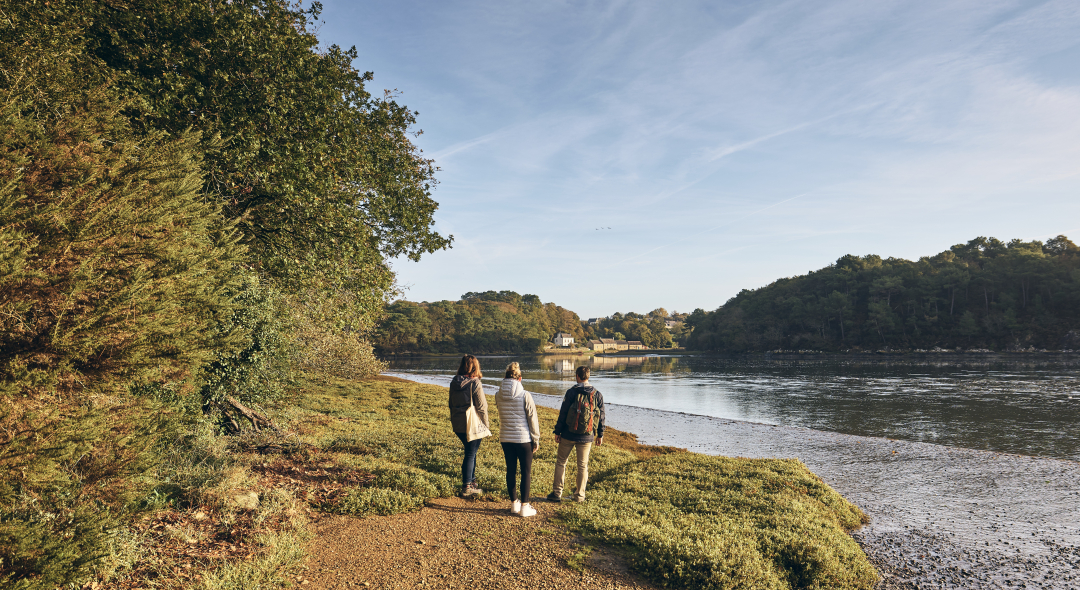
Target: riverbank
[
  {"x": 939, "y": 516},
  {"x": 680, "y": 518}
]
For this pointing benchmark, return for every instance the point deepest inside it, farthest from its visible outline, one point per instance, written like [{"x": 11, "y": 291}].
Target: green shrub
[
  {"x": 256, "y": 373},
  {"x": 378, "y": 501}
]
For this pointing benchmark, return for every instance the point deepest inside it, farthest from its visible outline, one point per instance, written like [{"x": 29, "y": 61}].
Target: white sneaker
[
  {"x": 515, "y": 508},
  {"x": 527, "y": 510}
]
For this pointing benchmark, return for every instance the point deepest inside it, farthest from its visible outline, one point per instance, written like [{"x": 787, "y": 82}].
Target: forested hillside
[
  {"x": 982, "y": 294},
  {"x": 492, "y": 321}
]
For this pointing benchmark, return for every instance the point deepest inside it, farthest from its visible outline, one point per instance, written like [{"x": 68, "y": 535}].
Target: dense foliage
[
  {"x": 985, "y": 294},
  {"x": 492, "y": 321},
  {"x": 194, "y": 198},
  {"x": 115, "y": 274}
]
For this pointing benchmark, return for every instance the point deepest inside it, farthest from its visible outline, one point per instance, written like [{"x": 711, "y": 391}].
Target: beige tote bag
[{"x": 474, "y": 428}]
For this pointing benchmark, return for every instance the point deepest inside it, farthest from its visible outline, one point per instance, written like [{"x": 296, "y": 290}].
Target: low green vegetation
[
  {"x": 685, "y": 520},
  {"x": 985, "y": 294}
]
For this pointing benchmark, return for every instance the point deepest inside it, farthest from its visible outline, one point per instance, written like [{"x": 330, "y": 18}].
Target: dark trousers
[
  {"x": 515, "y": 453},
  {"x": 468, "y": 465}
]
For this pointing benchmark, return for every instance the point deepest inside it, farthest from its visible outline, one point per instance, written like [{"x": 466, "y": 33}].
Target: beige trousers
[{"x": 582, "y": 467}]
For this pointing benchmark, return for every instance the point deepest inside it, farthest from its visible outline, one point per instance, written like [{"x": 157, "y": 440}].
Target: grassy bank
[{"x": 684, "y": 519}]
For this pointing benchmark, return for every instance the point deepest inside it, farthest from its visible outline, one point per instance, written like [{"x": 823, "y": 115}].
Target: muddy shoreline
[{"x": 941, "y": 517}]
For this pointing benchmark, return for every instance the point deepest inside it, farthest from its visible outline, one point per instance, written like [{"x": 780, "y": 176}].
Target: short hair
[
  {"x": 470, "y": 367},
  {"x": 513, "y": 371},
  {"x": 583, "y": 373}
]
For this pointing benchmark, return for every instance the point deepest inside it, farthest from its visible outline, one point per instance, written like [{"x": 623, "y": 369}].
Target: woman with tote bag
[{"x": 469, "y": 418}]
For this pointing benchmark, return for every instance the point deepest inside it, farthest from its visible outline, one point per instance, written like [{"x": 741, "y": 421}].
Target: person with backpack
[
  {"x": 469, "y": 418},
  {"x": 519, "y": 433},
  {"x": 581, "y": 421}
]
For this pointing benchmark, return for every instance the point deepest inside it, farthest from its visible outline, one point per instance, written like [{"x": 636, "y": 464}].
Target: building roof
[
  {"x": 621, "y": 342},
  {"x": 633, "y": 342},
  {"x": 607, "y": 340},
  {"x": 563, "y": 335}
]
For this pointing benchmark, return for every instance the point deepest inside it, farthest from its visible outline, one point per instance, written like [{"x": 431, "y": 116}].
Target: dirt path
[{"x": 454, "y": 543}]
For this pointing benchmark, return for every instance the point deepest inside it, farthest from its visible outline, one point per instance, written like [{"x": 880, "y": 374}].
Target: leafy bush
[
  {"x": 378, "y": 501},
  {"x": 256, "y": 373}
]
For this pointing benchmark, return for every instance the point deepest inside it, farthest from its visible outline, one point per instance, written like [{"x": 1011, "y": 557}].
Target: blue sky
[{"x": 725, "y": 144}]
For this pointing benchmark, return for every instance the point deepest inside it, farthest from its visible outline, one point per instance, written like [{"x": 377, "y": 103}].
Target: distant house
[
  {"x": 634, "y": 345},
  {"x": 596, "y": 346},
  {"x": 621, "y": 345},
  {"x": 609, "y": 343},
  {"x": 670, "y": 323},
  {"x": 562, "y": 339},
  {"x": 594, "y": 321}
]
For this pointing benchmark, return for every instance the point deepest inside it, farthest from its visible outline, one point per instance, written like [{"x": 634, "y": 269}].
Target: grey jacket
[
  {"x": 517, "y": 414},
  {"x": 465, "y": 392}
]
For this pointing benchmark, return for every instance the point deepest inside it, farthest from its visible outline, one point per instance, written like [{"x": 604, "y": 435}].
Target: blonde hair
[{"x": 513, "y": 371}]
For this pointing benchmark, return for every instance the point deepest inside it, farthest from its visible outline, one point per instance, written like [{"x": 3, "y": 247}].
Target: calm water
[{"x": 1030, "y": 407}]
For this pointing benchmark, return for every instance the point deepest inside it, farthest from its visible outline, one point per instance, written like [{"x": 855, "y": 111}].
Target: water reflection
[{"x": 1028, "y": 407}]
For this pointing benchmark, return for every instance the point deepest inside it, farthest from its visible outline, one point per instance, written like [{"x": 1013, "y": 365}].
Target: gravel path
[{"x": 455, "y": 543}]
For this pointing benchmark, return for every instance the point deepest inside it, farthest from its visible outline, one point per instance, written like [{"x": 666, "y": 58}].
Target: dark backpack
[{"x": 581, "y": 418}]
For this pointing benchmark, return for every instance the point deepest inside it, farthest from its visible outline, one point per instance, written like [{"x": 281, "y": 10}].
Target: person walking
[
  {"x": 519, "y": 434},
  {"x": 581, "y": 421},
  {"x": 469, "y": 418}
]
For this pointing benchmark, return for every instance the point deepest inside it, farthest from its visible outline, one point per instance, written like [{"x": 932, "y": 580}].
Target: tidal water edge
[{"x": 942, "y": 515}]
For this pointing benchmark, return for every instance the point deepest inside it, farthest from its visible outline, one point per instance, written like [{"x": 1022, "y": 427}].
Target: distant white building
[
  {"x": 669, "y": 324},
  {"x": 594, "y": 321},
  {"x": 562, "y": 339}
]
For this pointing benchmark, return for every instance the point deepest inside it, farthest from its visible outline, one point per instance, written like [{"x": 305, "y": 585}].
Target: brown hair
[
  {"x": 470, "y": 367},
  {"x": 513, "y": 371},
  {"x": 583, "y": 373}
]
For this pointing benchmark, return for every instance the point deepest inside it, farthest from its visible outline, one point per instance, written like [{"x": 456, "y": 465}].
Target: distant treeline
[
  {"x": 502, "y": 321},
  {"x": 982, "y": 294},
  {"x": 650, "y": 329}
]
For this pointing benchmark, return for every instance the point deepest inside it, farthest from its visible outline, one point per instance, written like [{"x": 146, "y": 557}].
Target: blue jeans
[{"x": 468, "y": 465}]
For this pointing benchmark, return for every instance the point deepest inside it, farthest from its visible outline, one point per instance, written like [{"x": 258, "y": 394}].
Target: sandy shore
[{"x": 941, "y": 517}]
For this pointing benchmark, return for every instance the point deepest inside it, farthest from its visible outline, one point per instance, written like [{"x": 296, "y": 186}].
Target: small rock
[
  {"x": 243, "y": 500},
  {"x": 200, "y": 515}
]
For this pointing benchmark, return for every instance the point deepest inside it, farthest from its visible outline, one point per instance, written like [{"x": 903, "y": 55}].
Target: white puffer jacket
[{"x": 517, "y": 414}]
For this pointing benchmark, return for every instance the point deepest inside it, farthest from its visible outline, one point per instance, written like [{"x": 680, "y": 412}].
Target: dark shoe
[
  {"x": 471, "y": 491},
  {"x": 552, "y": 497}
]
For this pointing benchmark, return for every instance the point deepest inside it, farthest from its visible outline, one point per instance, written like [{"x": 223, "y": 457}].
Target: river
[{"x": 1025, "y": 405}]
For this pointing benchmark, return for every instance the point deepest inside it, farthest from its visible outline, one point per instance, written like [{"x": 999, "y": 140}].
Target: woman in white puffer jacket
[{"x": 519, "y": 433}]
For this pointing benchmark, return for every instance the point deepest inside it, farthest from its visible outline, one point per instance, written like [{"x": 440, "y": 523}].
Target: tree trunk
[
  {"x": 255, "y": 417},
  {"x": 952, "y": 302}
]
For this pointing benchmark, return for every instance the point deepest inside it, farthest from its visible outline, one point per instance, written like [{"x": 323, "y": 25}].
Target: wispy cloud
[{"x": 927, "y": 123}]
